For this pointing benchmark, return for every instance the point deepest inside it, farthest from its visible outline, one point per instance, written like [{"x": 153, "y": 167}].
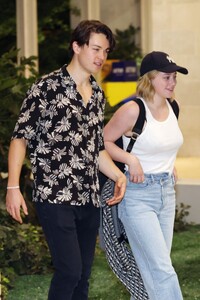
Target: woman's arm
[{"x": 120, "y": 124}]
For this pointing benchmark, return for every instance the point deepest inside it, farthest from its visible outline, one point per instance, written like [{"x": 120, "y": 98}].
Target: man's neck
[{"x": 80, "y": 76}]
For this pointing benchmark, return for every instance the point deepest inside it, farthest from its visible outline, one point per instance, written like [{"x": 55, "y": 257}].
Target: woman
[{"x": 148, "y": 208}]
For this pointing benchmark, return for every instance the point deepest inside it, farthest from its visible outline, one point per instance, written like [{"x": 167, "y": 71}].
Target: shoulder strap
[
  {"x": 137, "y": 129},
  {"x": 174, "y": 106}
]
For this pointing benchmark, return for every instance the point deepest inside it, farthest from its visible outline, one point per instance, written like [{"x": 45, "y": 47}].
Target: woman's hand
[
  {"x": 175, "y": 175},
  {"x": 135, "y": 170}
]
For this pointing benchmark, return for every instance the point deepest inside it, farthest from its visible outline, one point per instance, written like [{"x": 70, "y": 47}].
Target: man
[{"x": 61, "y": 122}]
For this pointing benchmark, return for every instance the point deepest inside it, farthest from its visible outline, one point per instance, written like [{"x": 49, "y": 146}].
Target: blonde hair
[{"x": 145, "y": 88}]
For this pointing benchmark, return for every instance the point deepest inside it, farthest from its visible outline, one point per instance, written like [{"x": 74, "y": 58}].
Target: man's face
[{"x": 91, "y": 57}]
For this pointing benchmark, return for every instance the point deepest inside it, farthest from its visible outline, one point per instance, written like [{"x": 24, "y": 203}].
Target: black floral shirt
[{"x": 64, "y": 138}]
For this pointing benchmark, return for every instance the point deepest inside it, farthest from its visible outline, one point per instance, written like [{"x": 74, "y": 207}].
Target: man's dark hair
[{"x": 82, "y": 32}]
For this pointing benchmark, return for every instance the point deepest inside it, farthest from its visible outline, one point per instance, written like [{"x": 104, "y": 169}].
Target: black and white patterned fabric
[
  {"x": 64, "y": 137},
  {"x": 118, "y": 252}
]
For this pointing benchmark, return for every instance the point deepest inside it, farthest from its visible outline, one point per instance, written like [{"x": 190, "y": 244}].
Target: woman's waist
[{"x": 156, "y": 177}]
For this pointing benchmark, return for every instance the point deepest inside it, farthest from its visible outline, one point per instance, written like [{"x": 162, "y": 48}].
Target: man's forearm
[
  {"x": 17, "y": 152},
  {"x": 107, "y": 166}
]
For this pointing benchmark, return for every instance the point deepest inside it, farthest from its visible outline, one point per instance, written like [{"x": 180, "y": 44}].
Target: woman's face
[{"x": 164, "y": 84}]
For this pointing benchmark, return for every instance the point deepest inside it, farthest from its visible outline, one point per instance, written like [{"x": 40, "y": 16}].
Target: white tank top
[{"x": 157, "y": 146}]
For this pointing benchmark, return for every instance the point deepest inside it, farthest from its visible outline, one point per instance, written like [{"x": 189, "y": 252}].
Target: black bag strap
[
  {"x": 174, "y": 106},
  {"x": 137, "y": 128}
]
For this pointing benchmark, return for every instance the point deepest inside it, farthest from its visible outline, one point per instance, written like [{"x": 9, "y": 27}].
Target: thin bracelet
[{"x": 12, "y": 187}]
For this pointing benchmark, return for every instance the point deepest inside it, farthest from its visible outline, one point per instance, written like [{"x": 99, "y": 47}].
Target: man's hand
[
  {"x": 119, "y": 191},
  {"x": 14, "y": 203}
]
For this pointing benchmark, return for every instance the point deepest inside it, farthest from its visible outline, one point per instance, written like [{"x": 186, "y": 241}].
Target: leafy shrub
[
  {"x": 180, "y": 217},
  {"x": 23, "y": 250},
  {"x": 13, "y": 86}
]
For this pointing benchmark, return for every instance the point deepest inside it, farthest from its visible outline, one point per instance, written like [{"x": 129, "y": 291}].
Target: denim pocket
[{"x": 141, "y": 185}]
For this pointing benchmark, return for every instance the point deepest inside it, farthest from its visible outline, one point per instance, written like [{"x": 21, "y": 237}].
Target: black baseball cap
[{"x": 160, "y": 61}]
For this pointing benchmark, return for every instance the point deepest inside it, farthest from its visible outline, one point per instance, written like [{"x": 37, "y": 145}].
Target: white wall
[
  {"x": 114, "y": 13},
  {"x": 173, "y": 26},
  {"x": 120, "y": 14}
]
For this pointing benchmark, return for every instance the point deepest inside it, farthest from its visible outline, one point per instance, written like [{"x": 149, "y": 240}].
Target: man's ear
[{"x": 76, "y": 48}]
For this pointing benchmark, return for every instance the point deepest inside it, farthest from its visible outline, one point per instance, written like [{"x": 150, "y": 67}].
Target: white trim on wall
[
  {"x": 146, "y": 26},
  {"x": 27, "y": 36}
]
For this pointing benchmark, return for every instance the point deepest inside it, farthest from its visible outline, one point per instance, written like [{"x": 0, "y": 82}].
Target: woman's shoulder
[{"x": 129, "y": 109}]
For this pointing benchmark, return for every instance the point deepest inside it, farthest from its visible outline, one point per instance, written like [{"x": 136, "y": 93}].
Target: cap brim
[{"x": 174, "y": 68}]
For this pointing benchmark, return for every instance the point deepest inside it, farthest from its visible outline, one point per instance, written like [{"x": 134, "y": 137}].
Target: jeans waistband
[{"x": 159, "y": 177}]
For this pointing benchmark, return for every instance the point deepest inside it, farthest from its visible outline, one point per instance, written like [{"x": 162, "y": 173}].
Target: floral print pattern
[{"x": 64, "y": 138}]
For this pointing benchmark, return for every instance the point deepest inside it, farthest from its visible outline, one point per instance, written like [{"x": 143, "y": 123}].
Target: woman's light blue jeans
[{"x": 147, "y": 212}]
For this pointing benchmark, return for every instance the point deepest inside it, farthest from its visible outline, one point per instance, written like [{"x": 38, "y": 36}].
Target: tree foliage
[
  {"x": 53, "y": 34},
  {"x": 126, "y": 45},
  {"x": 7, "y": 25},
  {"x": 13, "y": 86},
  {"x": 53, "y": 31}
]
